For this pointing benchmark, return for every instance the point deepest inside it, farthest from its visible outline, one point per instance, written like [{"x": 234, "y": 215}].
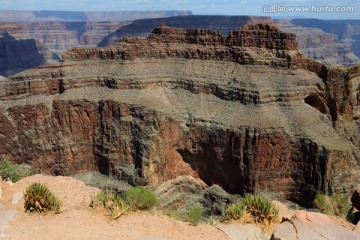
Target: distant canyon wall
[
  {"x": 46, "y": 35},
  {"x": 84, "y": 16}
]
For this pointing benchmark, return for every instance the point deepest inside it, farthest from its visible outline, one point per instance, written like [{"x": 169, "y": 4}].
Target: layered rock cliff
[
  {"x": 334, "y": 42},
  {"x": 143, "y": 27},
  {"x": 246, "y": 111},
  {"x": 54, "y": 38}
]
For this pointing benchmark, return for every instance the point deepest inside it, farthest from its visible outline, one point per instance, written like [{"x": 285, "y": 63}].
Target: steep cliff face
[
  {"x": 17, "y": 55},
  {"x": 246, "y": 111}
]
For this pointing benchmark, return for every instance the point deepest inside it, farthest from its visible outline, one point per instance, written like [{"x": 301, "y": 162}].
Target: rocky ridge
[{"x": 246, "y": 111}]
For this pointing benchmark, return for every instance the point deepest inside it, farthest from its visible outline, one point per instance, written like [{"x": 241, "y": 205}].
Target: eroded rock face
[{"x": 189, "y": 103}]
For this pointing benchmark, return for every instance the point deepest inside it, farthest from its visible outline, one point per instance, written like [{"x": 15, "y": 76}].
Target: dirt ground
[{"x": 78, "y": 221}]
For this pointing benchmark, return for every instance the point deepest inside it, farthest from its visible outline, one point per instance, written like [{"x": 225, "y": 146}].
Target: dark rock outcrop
[{"x": 250, "y": 118}]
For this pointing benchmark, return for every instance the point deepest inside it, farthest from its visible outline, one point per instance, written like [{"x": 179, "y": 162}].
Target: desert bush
[
  {"x": 252, "y": 208},
  {"x": 336, "y": 204},
  {"x": 38, "y": 197},
  {"x": 140, "y": 198},
  {"x": 111, "y": 202},
  {"x": 12, "y": 171},
  {"x": 193, "y": 215},
  {"x": 260, "y": 208},
  {"x": 234, "y": 212}
]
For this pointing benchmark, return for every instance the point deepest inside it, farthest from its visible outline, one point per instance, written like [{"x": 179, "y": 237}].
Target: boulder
[{"x": 311, "y": 225}]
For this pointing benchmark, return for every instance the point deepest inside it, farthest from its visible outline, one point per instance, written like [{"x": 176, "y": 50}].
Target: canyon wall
[
  {"x": 17, "y": 55},
  {"x": 55, "y": 32},
  {"x": 334, "y": 42},
  {"x": 143, "y": 27},
  {"x": 246, "y": 111},
  {"x": 329, "y": 42},
  {"x": 45, "y": 42}
]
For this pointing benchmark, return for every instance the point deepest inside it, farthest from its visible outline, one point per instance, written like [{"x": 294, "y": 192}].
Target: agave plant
[
  {"x": 38, "y": 197},
  {"x": 260, "y": 208},
  {"x": 234, "y": 211}
]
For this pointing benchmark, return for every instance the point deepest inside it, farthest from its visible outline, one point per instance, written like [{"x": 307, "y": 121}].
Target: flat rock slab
[
  {"x": 311, "y": 225},
  {"x": 17, "y": 197},
  {"x": 237, "y": 231},
  {"x": 5, "y": 217},
  {"x": 154, "y": 237}
]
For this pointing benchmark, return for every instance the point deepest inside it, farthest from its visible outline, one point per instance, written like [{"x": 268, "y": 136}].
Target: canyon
[
  {"x": 31, "y": 39},
  {"x": 328, "y": 41},
  {"x": 56, "y": 32},
  {"x": 246, "y": 111}
]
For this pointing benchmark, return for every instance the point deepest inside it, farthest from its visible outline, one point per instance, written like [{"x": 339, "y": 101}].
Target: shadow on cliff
[{"x": 18, "y": 55}]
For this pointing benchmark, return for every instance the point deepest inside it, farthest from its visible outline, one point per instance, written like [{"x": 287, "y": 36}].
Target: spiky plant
[
  {"x": 260, "y": 208},
  {"x": 234, "y": 212},
  {"x": 111, "y": 202},
  {"x": 38, "y": 197}
]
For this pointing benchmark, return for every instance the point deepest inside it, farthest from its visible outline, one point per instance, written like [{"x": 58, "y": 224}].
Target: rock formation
[
  {"x": 50, "y": 40},
  {"x": 143, "y": 27},
  {"x": 334, "y": 42},
  {"x": 246, "y": 111}
]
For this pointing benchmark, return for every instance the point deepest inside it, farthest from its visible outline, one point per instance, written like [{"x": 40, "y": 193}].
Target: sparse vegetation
[
  {"x": 111, "y": 202},
  {"x": 140, "y": 198},
  {"x": 336, "y": 204},
  {"x": 12, "y": 171},
  {"x": 234, "y": 212},
  {"x": 38, "y": 197},
  {"x": 252, "y": 208},
  {"x": 193, "y": 215}
]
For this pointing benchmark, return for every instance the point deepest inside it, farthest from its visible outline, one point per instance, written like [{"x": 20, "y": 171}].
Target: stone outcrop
[
  {"x": 143, "y": 27},
  {"x": 310, "y": 225},
  {"x": 260, "y": 117}
]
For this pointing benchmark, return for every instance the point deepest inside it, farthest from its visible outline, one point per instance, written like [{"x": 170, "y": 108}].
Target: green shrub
[
  {"x": 111, "y": 202},
  {"x": 234, "y": 212},
  {"x": 140, "y": 198},
  {"x": 192, "y": 215},
  {"x": 260, "y": 208},
  {"x": 253, "y": 207},
  {"x": 12, "y": 171},
  {"x": 336, "y": 204},
  {"x": 38, "y": 197}
]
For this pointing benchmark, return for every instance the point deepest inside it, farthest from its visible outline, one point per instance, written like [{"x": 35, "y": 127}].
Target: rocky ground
[{"x": 78, "y": 221}]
